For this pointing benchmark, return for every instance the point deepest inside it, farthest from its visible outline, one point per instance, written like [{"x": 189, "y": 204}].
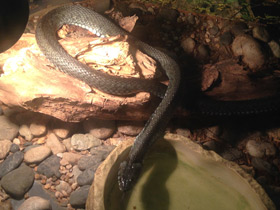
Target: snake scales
[{"x": 155, "y": 126}]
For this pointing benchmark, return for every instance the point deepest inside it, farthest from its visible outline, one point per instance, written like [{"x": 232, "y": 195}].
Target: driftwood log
[{"x": 30, "y": 81}]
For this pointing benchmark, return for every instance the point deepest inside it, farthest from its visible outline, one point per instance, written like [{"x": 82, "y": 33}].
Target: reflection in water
[{"x": 157, "y": 168}]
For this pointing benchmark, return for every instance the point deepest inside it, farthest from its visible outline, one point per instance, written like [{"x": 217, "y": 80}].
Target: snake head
[{"x": 128, "y": 175}]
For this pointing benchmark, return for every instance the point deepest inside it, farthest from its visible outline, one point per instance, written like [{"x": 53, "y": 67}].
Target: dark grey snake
[{"x": 154, "y": 128}]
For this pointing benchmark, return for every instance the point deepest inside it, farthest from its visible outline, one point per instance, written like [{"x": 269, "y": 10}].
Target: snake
[{"x": 129, "y": 169}]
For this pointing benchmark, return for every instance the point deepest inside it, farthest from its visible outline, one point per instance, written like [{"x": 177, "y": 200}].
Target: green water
[{"x": 171, "y": 181}]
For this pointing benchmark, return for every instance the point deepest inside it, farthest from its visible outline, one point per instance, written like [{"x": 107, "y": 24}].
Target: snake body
[
  {"x": 155, "y": 126},
  {"x": 96, "y": 23}
]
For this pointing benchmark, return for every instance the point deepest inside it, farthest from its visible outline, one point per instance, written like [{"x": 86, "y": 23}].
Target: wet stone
[
  {"x": 10, "y": 163},
  {"x": 84, "y": 141},
  {"x": 101, "y": 129},
  {"x": 14, "y": 148},
  {"x": 89, "y": 161},
  {"x": 87, "y": 176},
  {"x": 5, "y": 146},
  {"x": 50, "y": 167},
  {"x": 103, "y": 151},
  {"x": 35, "y": 203},
  {"x": 78, "y": 197},
  {"x": 18, "y": 182},
  {"x": 8, "y": 130}
]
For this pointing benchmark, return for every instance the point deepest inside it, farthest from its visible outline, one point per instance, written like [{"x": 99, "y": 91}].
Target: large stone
[
  {"x": 78, "y": 198},
  {"x": 11, "y": 162},
  {"x": 8, "y": 130},
  {"x": 50, "y": 167},
  {"x": 54, "y": 144},
  {"x": 35, "y": 203},
  {"x": 5, "y": 146},
  {"x": 71, "y": 158},
  {"x": 18, "y": 182},
  {"x": 101, "y": 129},
  {"x": 37, "y": 154},
  {"x": 87, "y": 176},
  {"x": 89, "y": 161},
  {"x": 84, "y": 141}
]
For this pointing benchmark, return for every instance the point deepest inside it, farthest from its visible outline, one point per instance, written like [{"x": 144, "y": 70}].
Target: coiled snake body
[
  {"x": 96, "y": 23},
  {"x": 155, "y": 126}
]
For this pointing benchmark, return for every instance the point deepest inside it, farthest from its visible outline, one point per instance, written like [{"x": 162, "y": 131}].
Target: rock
[
  {"x": 188, "y": 45},
  {"x": 214, "y": 30},
  {"x": 184, "y": 132},
  {"x": 202, "y": 52},
  {"x": 76, "y": 172},
  {"x": 67, "y": 144},
  {"x": 37, "y": 154},
  {"x": 50, "y": 167},
  {"x": 100, "y": 6},
  {"x": 239, "y": 28},
  {"x": 86, "y": 177},
  {"x": 131, "y": 128},
  {"x": 268, "y": 148},
  {"x": 249, "y": 48},
  {"x": 18, "y": 182},
  {"x": 261, "y": 33},
  {"x": 63, "y": 129},
  {"x": 78, "y": 197},
  {"x": 263, "y": 165},
  {"x": 226, "y": 38},
  {"x": 16, "y": 141},
  {"x": 191, "y": 18},
  {"x": 8, "y": 130},
  {"x": 38, "y": 128},
  {"x": 254, "y": 148},
  {"x": 35, "y": 203},
  {"x": 89, "y": 161},
  {"x": 64, "y": 186},
  {"x": 259, "y": 149},
  {"x": 29, "y": 146},
  {"x": 103, "y": 151},
  {"x": 25, "y": 132},
  {"x": 6, "y": 205},
  {"x": 54, "y": 144},
  {"x": 275, "y": 48},
  {"x": 101, "y": 129},
  {"x": 5, "y": 146},
  {"x": 71, "y": 158},
  {"x": 84, "y": 141},
  {"x": 10, "y": 163},
  {"x": 14, "y": 148},
  {"x": 210, "y": 145},
  {"x": 232, "y": 154},
  {"x": 168, "y": 14}
]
